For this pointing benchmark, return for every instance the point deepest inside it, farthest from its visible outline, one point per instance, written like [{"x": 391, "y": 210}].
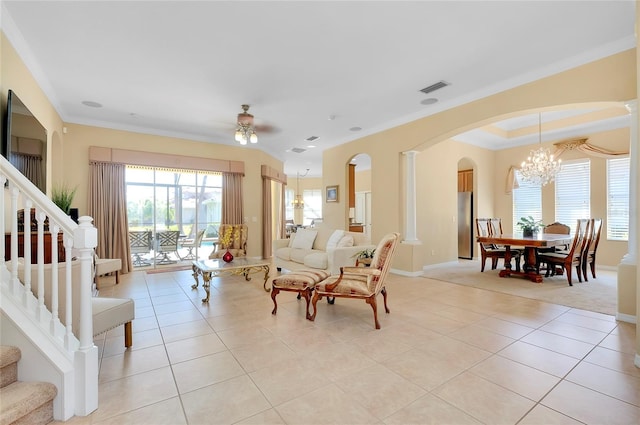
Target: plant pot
[
  {"x": 227, "y": 257},
  {"x": 529, "y": 233}
]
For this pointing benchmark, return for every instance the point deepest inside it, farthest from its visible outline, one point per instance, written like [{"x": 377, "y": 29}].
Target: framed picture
[{"x": 332, "y": 193}]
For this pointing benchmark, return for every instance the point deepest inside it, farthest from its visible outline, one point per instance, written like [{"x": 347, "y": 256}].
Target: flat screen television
[{"x": 24, "y": 141}]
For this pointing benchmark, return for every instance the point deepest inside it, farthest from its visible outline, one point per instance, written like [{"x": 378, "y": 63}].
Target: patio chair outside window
[
  {"x": 166, "y": 243},
  {"x": 190, "y": 244},
  {"x": 140, "y": 243}
]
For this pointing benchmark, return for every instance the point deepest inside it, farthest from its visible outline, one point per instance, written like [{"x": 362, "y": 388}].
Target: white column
[
  {"x": 410, "y": 235},
  {"x": 632, "y": 256}
]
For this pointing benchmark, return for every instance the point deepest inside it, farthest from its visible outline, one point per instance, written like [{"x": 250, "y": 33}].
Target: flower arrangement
[{"x": 365, "y": 253}]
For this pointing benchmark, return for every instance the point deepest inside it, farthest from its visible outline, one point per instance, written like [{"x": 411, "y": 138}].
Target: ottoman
[{"x": 300, "y": 281}]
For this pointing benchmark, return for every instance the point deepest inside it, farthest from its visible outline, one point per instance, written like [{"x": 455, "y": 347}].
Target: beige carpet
[{"x": 599, "y": 295}]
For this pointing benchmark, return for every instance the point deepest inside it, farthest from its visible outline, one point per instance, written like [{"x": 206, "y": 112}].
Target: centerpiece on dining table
[{"x": 529, "y": 226}]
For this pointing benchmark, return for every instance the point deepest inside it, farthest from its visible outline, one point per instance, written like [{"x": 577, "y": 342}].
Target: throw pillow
[
  {"x": 304, "y": 238},
  {"x": 345, "y": 241},
  {"x": 291, "y": 238},
  {"x": 334, "y": 239}
]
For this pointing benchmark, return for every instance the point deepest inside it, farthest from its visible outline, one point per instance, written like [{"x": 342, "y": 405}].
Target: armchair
[
  {"x": 361, "y": 282},
  {"x": 237, "y": 243}
]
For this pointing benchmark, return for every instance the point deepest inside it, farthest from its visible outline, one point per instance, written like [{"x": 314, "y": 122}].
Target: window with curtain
[
  {"x": 312, "y": 205},
  {"x": 527, "y": 201},
  {"x": 288, "y": 204},
  {"x": 573, "y": 192},
  {"x": 618, "y": 199}
]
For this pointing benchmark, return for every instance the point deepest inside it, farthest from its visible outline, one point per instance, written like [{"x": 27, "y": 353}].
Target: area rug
[{"x": 598, "y": 295}]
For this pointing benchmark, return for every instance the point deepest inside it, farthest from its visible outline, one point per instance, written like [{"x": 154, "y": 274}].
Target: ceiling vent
[
  {"x": 434, "y": 87},
  {"x": 298, "y": 150},
  {"x": 312, "y": 138}
]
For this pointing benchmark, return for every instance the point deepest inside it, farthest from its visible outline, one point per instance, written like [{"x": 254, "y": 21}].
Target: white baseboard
[
  {"x": 406, "y": 273},
  {"x": 439, "y": 265},
  {"x": 626, "y": 318}
]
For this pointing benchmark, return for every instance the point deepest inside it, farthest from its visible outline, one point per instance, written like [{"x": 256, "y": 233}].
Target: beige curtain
[
  {"x": 267, "y": 235},
  {"x": 568, "y": 145},
  {"x": 108, "y": 207},
  {"x": 30, "y": 166},
  {"x": 232, "y": 197}
]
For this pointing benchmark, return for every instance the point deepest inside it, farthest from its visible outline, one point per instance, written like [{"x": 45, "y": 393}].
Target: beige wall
[{"x": 612, "y": 79}]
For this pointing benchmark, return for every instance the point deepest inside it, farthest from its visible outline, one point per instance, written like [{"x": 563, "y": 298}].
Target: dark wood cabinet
[
  {"x": 356, "y": 228},
  {"x": 34, "y": 247}
]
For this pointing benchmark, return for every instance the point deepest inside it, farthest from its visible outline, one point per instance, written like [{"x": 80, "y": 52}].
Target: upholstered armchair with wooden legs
[
  {"x": 364, "y": 283},
  {"x": 237, "y": 243},
  {"x": 485, "y": 227}
]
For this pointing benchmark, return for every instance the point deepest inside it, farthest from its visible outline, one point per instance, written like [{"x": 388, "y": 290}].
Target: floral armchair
[
  {"x": 232, "y": 238},
  {"x": 361, "y": 282}
]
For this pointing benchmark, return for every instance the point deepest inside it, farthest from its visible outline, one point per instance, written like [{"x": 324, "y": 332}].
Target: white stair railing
[{"x": 78, "y": 240}]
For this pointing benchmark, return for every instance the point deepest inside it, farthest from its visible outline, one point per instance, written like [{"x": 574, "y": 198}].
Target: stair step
[
  {"x": 27, "y": 403},
  {"x": 9, "y": 357}
]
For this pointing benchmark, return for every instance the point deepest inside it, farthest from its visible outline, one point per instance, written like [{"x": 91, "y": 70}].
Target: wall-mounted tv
[{"x": 24, "y": 141}]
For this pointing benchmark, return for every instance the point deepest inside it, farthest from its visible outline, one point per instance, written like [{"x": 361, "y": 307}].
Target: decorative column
[
  {"x": 410, "y": 207},
  {"x": 627, "y": 269}
]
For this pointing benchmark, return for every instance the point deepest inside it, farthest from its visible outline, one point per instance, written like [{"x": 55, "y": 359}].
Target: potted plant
[
  {"x": 365, "y": 256},
  {"x": 529, "y": 225},
  {"x": 62, "y": 196}
]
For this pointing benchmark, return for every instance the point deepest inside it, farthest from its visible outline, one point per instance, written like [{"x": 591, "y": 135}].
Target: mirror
[{"x": 25, "y": 142}]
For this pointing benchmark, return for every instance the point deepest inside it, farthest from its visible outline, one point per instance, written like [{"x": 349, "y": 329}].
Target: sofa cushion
[
  {"x": 334, "y": 239},
  {"x": 298, "y": 255},
  {"x": 304, "y": 239},
  {"x": 283, "y": 253},
  {"x": 345, "y": 241},
  {"x": 316, "y": 260}
]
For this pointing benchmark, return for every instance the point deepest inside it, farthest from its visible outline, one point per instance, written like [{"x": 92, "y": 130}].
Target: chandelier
[
  {"x": 540, "y": 168},
  {"x": 298, "y": 202},
  {"x": 245, "y": 131}
]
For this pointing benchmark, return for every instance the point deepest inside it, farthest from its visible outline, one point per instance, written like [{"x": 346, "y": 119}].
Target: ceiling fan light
[
  {"x": 253, "y": 138},
  {"x": 238, "y": 135},
  {"x": 243, "y": 140}
]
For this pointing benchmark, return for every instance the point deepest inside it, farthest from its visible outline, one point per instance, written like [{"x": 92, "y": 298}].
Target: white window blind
[
  {"x": 312, "y": 205},
  {"x": 618, "y": 199},
  {"x": 527, "y": 201},
  {"x": 573, "y": 192},
  {"x": 288, "y": 204}
]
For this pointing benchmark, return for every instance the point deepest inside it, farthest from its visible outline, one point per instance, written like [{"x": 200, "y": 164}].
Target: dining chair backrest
[
  {"x": 495, "y": 226},
  {"x": 484, "y": 228},
  {"x": 583, "y": 227},
  {"x": 557, "y": 229}
]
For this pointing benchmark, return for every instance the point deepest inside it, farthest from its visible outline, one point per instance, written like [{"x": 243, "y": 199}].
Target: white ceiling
[{"x": 307, "y": 68}]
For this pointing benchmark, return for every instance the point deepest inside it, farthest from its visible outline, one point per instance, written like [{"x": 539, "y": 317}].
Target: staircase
[{"x": 22, "y": 402}]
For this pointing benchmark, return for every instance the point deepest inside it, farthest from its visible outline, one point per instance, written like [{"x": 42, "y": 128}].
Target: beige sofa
[{"x": 320, "y": 247}]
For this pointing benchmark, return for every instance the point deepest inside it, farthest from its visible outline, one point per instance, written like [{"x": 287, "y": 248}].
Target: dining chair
[
  {"x": 166, "y": 243},
  {"x": 486, "y": 227},
  {"x": 190, "y": 244},
  {"x": 589, "y": 252},
  {"x": 573, "y": 258},
  {"x": 140, "y": 244}
]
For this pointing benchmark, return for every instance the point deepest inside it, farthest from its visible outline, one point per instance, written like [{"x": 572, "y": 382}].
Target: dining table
[{"x": 531, "y": 244}]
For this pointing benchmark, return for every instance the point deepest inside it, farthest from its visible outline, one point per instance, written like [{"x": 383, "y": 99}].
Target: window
[
  {"x": 288, "y": 204},
  {"x": 618, "y": 199},
  {"x": 573, "y": 192},
  {"x": 312, "y": 205},
  {"x": 527, "y": 201}
]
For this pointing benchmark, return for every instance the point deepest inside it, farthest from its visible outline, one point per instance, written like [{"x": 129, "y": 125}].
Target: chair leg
[
  {"x": 593, "y": 269},
  {"x": 128, "y": 335},
  {"x": 569, "y": 274},
  {"x": 315, "y": 299},
  {"x": 274, "y": 291},
  {"x": 583, "y": 269},
  {"x": 579, "y": 272},
  {"x": 484, "y": 260},
  {"x": 306, "y": 294},
  {"x": 384, "y": 296},
  {"x": 494, "y": 263},
  {"x": 374, "y": 305}
]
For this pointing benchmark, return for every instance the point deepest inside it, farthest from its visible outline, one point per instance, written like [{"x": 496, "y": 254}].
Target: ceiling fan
[{"x": 246, "y": 130}]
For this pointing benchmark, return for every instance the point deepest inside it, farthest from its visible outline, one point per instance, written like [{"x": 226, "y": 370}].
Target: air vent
[
  {"x": 298, "y": 150},
  {"x": 312, "y": 138},
  {"x": 434, "y": 87}
]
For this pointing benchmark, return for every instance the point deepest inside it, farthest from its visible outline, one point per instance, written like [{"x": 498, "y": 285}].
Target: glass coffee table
[{"x": 238, "y": 267}]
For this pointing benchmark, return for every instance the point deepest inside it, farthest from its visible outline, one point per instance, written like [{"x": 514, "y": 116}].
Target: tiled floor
[{"x": 447, "y": 354}]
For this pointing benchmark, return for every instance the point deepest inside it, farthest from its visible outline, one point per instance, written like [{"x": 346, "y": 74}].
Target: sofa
[{"x": 320, "y": 247}]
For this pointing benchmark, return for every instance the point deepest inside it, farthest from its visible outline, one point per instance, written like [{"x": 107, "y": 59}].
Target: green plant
[
  {"x": 62, "y": 196},
  {"x": 365, "y": 253},
  {"x": 529, "y": 224}
]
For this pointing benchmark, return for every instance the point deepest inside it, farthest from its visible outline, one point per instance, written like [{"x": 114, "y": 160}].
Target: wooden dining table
[{"x": 531, "y": 245}]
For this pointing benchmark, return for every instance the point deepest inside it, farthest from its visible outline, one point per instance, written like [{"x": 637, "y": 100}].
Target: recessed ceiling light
[
  {"x": 429, "y": 101},
  {"x": 311, "y": 146},
  {"x": 355, "y": 129},
  {"x": 91, "y": 104}
]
